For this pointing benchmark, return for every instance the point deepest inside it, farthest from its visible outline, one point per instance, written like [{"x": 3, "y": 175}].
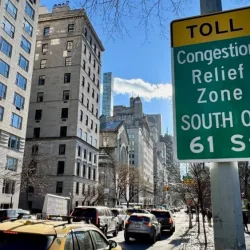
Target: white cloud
[{"x": 138, "y": 87}]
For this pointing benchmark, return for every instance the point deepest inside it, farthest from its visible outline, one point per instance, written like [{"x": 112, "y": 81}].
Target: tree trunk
[
  {"x": 203, "y": 220},
  {"x": 198, "y": 219},
  {"x": 246, "y": 180}
]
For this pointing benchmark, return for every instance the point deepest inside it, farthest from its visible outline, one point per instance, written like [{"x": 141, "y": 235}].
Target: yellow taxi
[{"x": 52, "y": 235}]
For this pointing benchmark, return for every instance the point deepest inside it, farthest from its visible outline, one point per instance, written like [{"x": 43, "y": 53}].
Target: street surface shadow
[{"x": 143, "y": 243}]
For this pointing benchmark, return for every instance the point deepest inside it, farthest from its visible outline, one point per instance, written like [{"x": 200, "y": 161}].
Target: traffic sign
[{"x": 211, "y": 82}]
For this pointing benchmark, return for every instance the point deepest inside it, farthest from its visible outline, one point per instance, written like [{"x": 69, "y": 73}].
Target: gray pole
[{"x": 225, "y": 187}]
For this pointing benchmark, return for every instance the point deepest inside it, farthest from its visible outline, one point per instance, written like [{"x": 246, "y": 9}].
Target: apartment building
[
  {"x": 64, "y": 106},
  {"x": 107, "y": 97},
  {"x": 17, "y": 47}
]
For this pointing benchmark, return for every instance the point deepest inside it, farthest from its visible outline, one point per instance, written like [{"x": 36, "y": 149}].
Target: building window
[
  {"x": 85, "y": 32},
  {"x": 93, "y": 77},
  {"x": 11, "y": 164},
  {"x": 66, "y": 95},
  {"x": 62, "y": 149},
  {"x": 67, "y": 77},
  {"x": 16, "y": 121},
  {"x": 46, "y": 31},
  {"x": 91, "y": 124},
  {"x": 95, "y": 48},
  {"x": 25, "y": 44},
  {"x": 96, "y": 113},
  {"x": 90, "y": 140},
  {"x": 94, "y": 64},
  {"x": 77, "y": 187},
  {"x": 59, "y": 187},
  {"x": 93, "y": 93},
  {"x": 94, "y": 176},
  {"x": 95, "y": 143},
  {"x": 84, "y": 171},
  {"x": 64, "y": 113},
  {"x": 92, "y": 108},
  {"x": 29, "y": 11},
  {"x": 8, "y": 28},
  {"x": 78, "y": 164},
  {"x": 98, "y": 71},
  {"x": 41, "y": 80},
  {"x": 85, "y": 49},
  {"x": 96, "y": 128},
  {"x": 8, "y": 186},
  {"x": 89, "y": 174},
  {"x": 23, "y": 63},
  {"x": 98, "y": 84},
  {"x": 68, "y": 61},
  {"x": 5, "y": 47},
  {"x": 85, "y": 136},
  {"x": 39, "y": 97},
  {"x": 43, "y": 63},
  {"x": 36, "y": 133},
  {"x": 80, "y": 132},
  {"x": 84, "y": 65},
  {"x": 87, "y": 120},
  {"x": 14, "y": 142},
  {"x": 85, "y": 154},
  {"x": 71, "y": 27},
  {"x": 3, "y": 90},
  {"x": 90, "y": 156},
  {"x": 87, "y": 104},
  {"x": 83, "y": 81},
  {"x": 11, "y": 9},
  {"x": 4, "y": 68},
  {"x": 69, "y": 45},
  {"x": 27, "y": 27},
  {"x": 81, "y": 115},
  {"x": 63, "y": 131},
  {"x": 45, "y": 48},
  {"x": 21, "y": 81},
  {"x": 34, "y": 149},
  {"x": 89, "y": 57},
  {"x": 88, "y": 89},
  {"x": 82, "y": 98},
  {"x": 99, "y": 54},
  {"x": 89, "y": 71},
  {"x": 1, "y": 112},
  {"x": 97, "y": 98},
  {"x": 94, "y": 159},
  {"x": 60, "y": 167},
  {"x": 18, "y": 101},
  {"x": 90, "y": 40},
  {"x": 38, "y": 115},
  {"x": 79, "y": 150}
]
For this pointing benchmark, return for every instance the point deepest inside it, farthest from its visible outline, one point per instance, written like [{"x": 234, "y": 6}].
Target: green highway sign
[{"x": 211, "y": 86}]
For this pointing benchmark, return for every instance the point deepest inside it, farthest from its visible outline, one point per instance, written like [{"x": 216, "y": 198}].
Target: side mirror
[{"x": 112, "y": 244}]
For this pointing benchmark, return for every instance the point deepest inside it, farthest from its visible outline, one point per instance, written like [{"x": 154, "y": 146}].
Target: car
[
  {"x": 52, "y": 235},
  {"x": 100, "y": 216},
  {"x": 142, "y": 225},
  {"x": 12, "y": 214},
  {"x": 130, "y": 211},
  {"x": 166, "y": 219},
  {"x": 121, "y": 216}
]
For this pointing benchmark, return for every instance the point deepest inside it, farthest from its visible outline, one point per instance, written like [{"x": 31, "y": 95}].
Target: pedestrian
[
  {"x": 209, "y": 217},
  {"x": 245, "y": 221}
]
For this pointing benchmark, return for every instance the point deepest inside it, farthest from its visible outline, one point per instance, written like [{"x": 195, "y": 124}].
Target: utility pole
[{"x": 225, "y": 186}]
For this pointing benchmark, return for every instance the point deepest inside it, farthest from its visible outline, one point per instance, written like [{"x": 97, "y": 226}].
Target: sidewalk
[{"x": 192, "y": 241}]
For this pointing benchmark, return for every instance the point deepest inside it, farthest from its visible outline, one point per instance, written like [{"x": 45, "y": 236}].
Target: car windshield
[
  {"x": 139, "y": 218},
  {"x": 134, "y": 210},
  {"x": 20, "y": 241},
  {"x": 161, "y": 214},
  {"x": 84, "y": 212}
]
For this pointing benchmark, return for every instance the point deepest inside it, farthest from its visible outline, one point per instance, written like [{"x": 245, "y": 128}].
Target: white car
[{"x": 121, "y": 216}]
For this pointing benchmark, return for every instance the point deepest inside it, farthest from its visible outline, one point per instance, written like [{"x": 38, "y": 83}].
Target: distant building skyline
[{"x": 108, "y": 91}]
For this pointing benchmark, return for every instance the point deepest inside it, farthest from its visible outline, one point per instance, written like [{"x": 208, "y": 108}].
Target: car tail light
[
  {"x": 127, "y": 222},
  {"x": 149, "y": 224},
  {"x": 97, "y": 219},
  {"x": 170, "y": 220}
]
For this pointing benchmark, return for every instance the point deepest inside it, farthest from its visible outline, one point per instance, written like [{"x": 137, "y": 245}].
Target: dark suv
[
  {"x": 100, "y": 216},
  {"x": 166, "y": 219}
]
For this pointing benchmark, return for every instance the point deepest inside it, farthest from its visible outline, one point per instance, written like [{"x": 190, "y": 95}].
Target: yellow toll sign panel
[{"x": 213, "y": 27}]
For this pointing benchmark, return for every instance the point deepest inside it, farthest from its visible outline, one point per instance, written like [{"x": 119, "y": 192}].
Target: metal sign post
[{"x": 211, "y": 75}]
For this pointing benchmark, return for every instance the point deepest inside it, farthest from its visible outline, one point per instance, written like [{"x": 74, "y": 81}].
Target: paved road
[{"x": 167, "y": 242}]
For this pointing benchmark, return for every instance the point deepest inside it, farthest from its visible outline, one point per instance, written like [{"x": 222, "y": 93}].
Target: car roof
[
  {"x": 142, "y": 214},
  {"x": 44, "y": 227}
]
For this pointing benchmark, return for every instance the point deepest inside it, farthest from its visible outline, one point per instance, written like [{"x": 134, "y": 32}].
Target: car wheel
[
  {"x": 153, "y": 239},
  {"x": 115, "y": 233},
  {"x": 126, "y": 237},
  {"x": 105, "y": 231}
]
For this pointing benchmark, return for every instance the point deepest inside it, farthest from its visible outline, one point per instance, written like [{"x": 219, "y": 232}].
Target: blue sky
[{"x": 131, "y": 58}]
